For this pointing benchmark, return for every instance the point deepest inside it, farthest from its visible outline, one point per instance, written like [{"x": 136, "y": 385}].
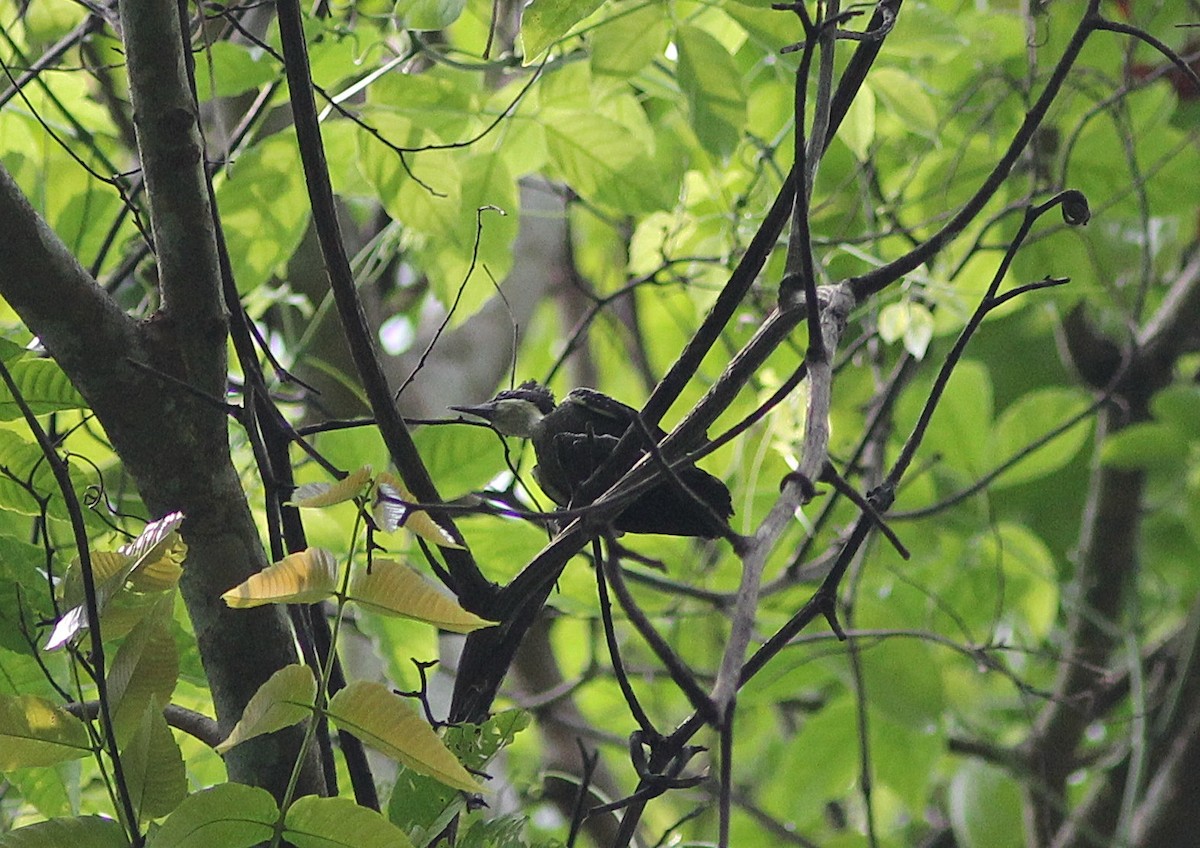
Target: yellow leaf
[
  {"x": 391, "y": 511},
  {"x": 286, "y": 698},
  {"x": 382, "y": 720},
  {"x": 392, "y": 588},
  {"x": 312, "y": 495},
  {"x": 162, "y": 573},
  {"x": 300, "y": 578},
  {"x": 34, "y": 732}
]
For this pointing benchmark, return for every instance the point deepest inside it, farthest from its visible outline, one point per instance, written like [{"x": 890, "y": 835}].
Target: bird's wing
[{"x": 607, "y": 409}]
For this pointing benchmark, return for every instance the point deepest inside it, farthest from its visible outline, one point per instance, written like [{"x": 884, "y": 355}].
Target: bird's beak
[{"x": 486, "y": 411}]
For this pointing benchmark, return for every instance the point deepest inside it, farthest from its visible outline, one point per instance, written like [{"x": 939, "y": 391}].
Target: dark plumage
[{"x": 572, "y": 439}]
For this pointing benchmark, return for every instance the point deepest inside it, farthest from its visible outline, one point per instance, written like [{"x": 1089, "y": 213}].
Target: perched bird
[{"x": 574, "y": 438}]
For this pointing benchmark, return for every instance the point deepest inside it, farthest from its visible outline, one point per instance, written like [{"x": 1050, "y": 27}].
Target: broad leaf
[
  {"x": 154, "y": 770},
  {"x": 392, "y": 588},
  {"x": 312, "y": 495},
  {"x": 34, "y": 732},
  {"x": 79, "y": 832},
  {"x": 304, "y": 577},
  {"x": 384, "y": 722},
  {"x": 230, "y": 815},
  {"x": 390, "y": 511},
  {"x": 713, "y": 86},
  {"x": 314, "y": 822},
  {"x": 285, "y": 699},
  {"x": 145, "y": 668},
  {"x": 43, "y": 386},
  {"x": 545, "y": 21},
  {"x": 157, "y": 540}
]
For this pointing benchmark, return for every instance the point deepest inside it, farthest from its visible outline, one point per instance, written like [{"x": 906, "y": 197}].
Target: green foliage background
[{"x": 669, "y": 127}]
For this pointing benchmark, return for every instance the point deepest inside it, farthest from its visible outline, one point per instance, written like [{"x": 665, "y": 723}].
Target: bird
[{"x": 573, "y": 438}]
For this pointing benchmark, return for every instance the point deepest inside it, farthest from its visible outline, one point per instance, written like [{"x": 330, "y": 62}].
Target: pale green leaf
[
  {"x": 42, "y": 385},
  {"x": 985, "y": 807},
  {"x": 285, "y": 699},
  {"x": 390, "y": 511},
  {"x": 857, "y": 130},
  {"x": 314, "y": 822},
  {"x": 428, "y": 14},
  {"x": 264, "y": 209},
  {"x": 392, "y": 588},
  {"x": 905, "y": 97},
  {"x": 712, "y": 84},
  {"x": 34, "y": 732},
  {"x": 383, "y": 721},
  {"x": 626, "y": 43},
  {"x": 313, "y": 495},
  {"x": 1030, "y": 418},
  {"x": 304, "y": 577},
  {"x": 230, "y": 815},
  {"x": 545, "y": 21}
]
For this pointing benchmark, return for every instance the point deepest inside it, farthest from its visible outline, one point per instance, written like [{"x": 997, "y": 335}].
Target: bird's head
[{"x": 515, "y": 412}]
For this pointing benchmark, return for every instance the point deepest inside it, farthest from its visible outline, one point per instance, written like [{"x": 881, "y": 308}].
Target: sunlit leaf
[
  {"x": 43, "y": 386},
  {"x": 392, "y": 588},
  {"x": 34, "y": 732},
  {"x": 390, "y": 511},
  {"x": 304, "y": 577},
  {"x": 423, "y": 805},
  {"x": 714, "y": 89},
  {"x": 384, "y": 722},
  {"x": 285, "y": 699},
  {"x": 314, "y": 822},
  {"x": 312, "y": 495},
  {"x": 230, "y": 815},
  {"x": 545, "y": 21}
]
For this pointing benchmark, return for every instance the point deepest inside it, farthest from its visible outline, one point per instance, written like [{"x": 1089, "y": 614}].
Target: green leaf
[
  {"x": 314, "y": 822},
  {"x": 905, "y": 97},
  {"x": 80, "y": 832},
  {"x": 712, "y": 84},
  {"x": 545, "y": 21},
  {"x": 230, "y": 815},
  {"x": 1179, "y": 407},
  {"x": 422, "y": 805},
  {"x": 1148, "y": 445},
  {"x": 858, "y": 127},
  {"x": 1029, "y": 419},
  {"x": 286, "y": 698},
  {"x": 626, "y": 43},
  {"x": 383, "y": 721},
  {"x": 903, "y": 679},
  {"x": 601, "y": 159},
  {"x": 985, "y": 807},
  {"x": 34, "y": 732},
  {"x": 225, "y": 68},
  {"x": 428, "y": 14},
  {"x": 154, "y": 769},
  {"x": 42, "y": 385},
  {"x": 264, "y": 209}
]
